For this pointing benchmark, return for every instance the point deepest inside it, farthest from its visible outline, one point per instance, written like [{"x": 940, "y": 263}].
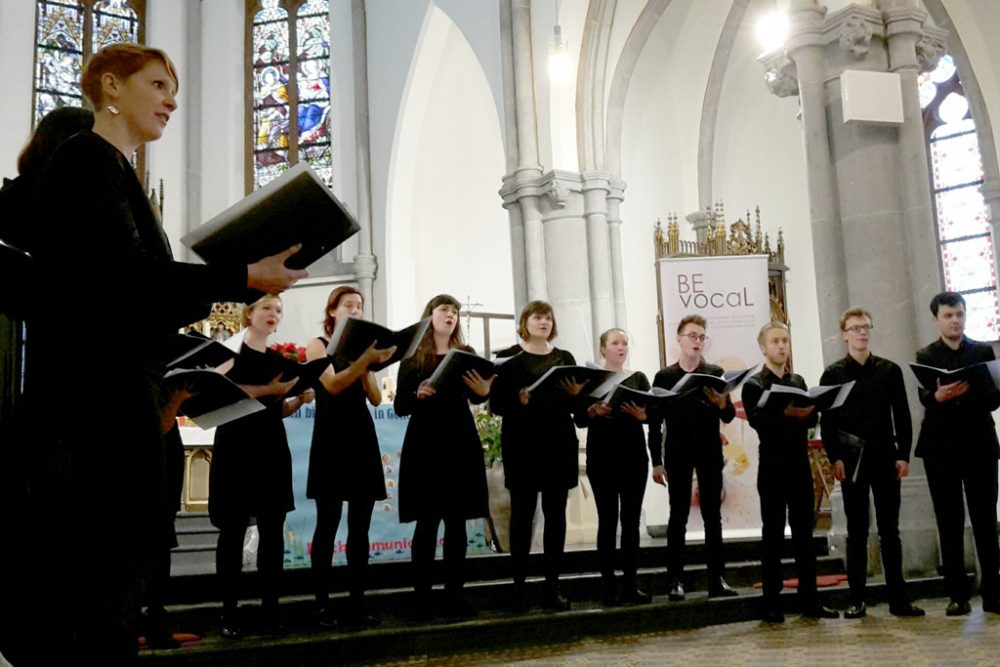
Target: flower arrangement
[
  {"x": 290, "y": 351},
  {"x": 488, "y": 425}
]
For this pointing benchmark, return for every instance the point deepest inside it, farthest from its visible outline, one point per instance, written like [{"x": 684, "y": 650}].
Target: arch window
[
  {"x": 289, "y": 88},
  {"x": 67, "y": 32},
  {"x": 965, "y": 236}
]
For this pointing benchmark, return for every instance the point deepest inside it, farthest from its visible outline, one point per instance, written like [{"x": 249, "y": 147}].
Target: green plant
[{"x": 488, "y": 425}]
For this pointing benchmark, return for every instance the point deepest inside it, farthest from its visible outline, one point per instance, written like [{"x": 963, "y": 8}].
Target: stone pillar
[
  {"x": 596, "y": 188},
  {"x": 365, "y": 262},
  {"x": 699, "y": 223},
  {"x": 615, "y": 197},
  {"x": 870, "y": 204}
]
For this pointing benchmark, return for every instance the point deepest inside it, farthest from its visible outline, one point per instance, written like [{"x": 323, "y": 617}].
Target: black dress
[
  {"x": 441, "y": 469},
  {"x": 538, "y": 441},
  {"x": 344, "y": 459},
  {"x": 251, "y": 470}
]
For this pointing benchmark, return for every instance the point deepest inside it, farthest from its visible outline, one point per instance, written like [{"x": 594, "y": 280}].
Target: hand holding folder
[{"x": 352, "y": 337}]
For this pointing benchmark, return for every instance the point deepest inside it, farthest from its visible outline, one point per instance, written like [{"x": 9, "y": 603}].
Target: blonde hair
[
  {"x": 773, "y": 324},
  {"x": 248, "y": 308}
]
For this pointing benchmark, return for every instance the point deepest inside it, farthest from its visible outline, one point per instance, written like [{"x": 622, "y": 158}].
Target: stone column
[
  {"x": 596, "y": 188},
  {"x": 365, "y": 262},
  {"x": 615, "y": 198},
  {"x": 869, "y": 193}
]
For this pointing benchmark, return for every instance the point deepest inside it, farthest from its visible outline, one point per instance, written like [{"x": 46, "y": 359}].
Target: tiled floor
[{"x": 879, "y": 639}]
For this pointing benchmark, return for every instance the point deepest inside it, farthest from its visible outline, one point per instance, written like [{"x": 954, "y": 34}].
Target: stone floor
[{"x": 880, "y": 639}]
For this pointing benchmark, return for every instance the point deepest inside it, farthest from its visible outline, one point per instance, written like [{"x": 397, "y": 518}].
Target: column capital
[{"x": 365, "y": 266}]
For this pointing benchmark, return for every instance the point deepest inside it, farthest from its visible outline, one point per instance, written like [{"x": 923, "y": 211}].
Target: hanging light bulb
[
  {"x": 560, "y": 67},
  {"x": 772, "y": 31}
]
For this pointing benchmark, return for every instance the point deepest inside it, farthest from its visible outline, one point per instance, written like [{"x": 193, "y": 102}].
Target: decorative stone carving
[
  {"x": 557, "y": 193},
  {"x": 856, "y": 37},
  {"x": 780, "y": 78},
  {"x": 929, "y": 51}
]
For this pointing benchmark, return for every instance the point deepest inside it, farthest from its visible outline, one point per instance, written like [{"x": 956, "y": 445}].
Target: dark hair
[
  {"x": 947, "y": 299},
  {"x": 121, "y": 60},
  {"x": 52, "y": 130},
  {"x": 332, "y": 301},
  {"x": 854, "y": 311},
  {"x": 426, "y": 351},
  {"x": 535, "y": 308},
  {"x": 606, "y": 334},
  {"x": 691, "y": 319}
]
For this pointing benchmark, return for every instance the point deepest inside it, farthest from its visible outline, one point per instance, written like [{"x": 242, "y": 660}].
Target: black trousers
[
  {"x": 786, "y": 492},
  {"x": 522, "y": 511},
  {"x": 270, "y": 558},
  {"x": 878, "y": 478},
  {"x": 946, "y": 478},
  {"x": 359, "y": 519},
  {"x": 424, "y": 545},
  {"x": 619, "y": 498},
  {"x": 709, "y": 471}
]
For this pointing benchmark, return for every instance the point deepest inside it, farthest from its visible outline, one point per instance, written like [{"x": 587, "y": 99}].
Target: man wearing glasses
[
  {"x": 958, "y": 444},
  {"x": 868, "y": 440},
  {"x": 692, "y": 444}
]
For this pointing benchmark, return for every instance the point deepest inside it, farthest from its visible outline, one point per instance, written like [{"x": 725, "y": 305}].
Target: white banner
[{"x": 731, "y": 293}]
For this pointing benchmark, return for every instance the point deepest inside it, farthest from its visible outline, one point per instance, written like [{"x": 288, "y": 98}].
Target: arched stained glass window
[
  {"x": 66, "y": 33},
  {"x": 963, "y": 227},
  {"x": 289, "y": 118}
]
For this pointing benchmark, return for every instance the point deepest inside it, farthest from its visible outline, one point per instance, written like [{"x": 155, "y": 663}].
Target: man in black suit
[
  {"x": 958, "y": 444},
  {"x": 868, "y": 439},
  {"x": 692, "y": 445}
]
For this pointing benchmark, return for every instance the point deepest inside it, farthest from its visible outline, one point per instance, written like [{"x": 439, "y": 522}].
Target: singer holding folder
[
  {"x": 345, "y": 464},
  {"x": 539, "y": 447},
  {"x": 251, "y": 474},
  {"x": 441, "y": 472},
  {"x": 958, "y": 444},
  {"x": 616, "y": 467},
  {"x": 103, "y": 252},
  {"x": 868, "y": 439}
]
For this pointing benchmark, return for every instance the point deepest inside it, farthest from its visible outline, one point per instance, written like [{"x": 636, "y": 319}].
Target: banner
[
  {"x": 731, "y": 293},
  {"x": 388, "y": 538}
]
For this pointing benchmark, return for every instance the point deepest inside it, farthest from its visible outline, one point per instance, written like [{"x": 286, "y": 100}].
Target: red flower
[{"x": 290, "y": 351}]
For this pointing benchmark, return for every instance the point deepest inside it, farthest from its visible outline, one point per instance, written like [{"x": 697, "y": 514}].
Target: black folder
[
  {"x": 722, "y": 384},
  {"x": 297, "y": 207},
  {"x": 195, "y": 350},
  {"x": 452, "y": 369},
  {"x": 654, "y": 399},
  {"x": 352, "y": 336},
  {"x": 216, "y": 399},
  {"x": 982, "y": 377},
  {"x": 307, "y": 372},
  {"x": 550, "y": 382},
  {"x": 824, "y": 397}
]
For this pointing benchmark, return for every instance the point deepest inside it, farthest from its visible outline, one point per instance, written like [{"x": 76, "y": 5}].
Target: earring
[{"x": 113, "y": 110}]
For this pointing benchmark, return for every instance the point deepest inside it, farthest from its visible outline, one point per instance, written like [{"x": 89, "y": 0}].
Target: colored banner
[
  {"x": 388, "y": 538},
  {"x": 731, "y": 293}
]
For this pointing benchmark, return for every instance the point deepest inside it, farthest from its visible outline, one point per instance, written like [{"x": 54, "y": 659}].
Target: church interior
[{"x": 504, "y": 151}]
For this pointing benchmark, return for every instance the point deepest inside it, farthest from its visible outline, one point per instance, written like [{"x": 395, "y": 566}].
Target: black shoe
[
  {"x": 157, "y": 632},
  {"x": 554, "y": 601},
  {"x": 956, "y": 608},
  {"x": 720, "y": 589},
  {"x": 773, "y": 617},
  {"x": 991, "y": 606},
  {"x": 819, "y": 611},
  {"x": 519, "y": 599},
  {"x": 230, "y": 625},
  {"x": 326, "y": 618},
  {"x": 633, "y": 595},
  {"x": 905, "y": 610},
  {"x": 676, "y": 590},
  {"x": 856, "y": 610}
]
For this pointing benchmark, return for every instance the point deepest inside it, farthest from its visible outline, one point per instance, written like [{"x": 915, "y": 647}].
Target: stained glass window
[
  {"x": 289, "y": 87},
  {"x": 66, "y": 33},
  {"x": 963, "y": 227}
]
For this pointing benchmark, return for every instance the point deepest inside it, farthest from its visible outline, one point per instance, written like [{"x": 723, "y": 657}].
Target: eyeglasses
[
  {"x": 693, "y": 337},
  {"x": 860, "y": 328}
]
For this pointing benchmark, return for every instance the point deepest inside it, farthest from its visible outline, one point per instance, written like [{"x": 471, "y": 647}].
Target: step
[{"x": 401, "y": 636}]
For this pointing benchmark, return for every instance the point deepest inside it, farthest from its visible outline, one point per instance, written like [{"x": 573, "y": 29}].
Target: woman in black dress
[
  {"x": 251, "y": 473},
  {"x": 617, "y": 464},
  {"x": 441, "y": 471},
  {"x": 539, "y": 447},
  {"x": 344, "y": 460},
  {"x": 102, "y": 250}
]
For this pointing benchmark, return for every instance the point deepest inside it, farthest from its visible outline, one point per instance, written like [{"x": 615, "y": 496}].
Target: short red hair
[{"x": 122, "y": 60}]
